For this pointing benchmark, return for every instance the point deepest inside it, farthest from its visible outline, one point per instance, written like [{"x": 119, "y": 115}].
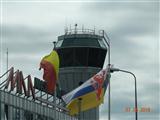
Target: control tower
[{"x": 82, "y": 54}]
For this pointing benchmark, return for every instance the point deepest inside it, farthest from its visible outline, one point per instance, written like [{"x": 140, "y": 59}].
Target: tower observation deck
[{"x": 82, "y": 54}]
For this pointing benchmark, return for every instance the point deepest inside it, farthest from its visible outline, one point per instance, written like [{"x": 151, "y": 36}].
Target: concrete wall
[{"x": 69, "y": 79}]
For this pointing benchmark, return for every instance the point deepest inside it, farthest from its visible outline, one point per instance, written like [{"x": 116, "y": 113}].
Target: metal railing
[
  {"x": 24, "y": 104},
  {"x": 79, "y": 31},
  {"x": 40, "y": 96}
]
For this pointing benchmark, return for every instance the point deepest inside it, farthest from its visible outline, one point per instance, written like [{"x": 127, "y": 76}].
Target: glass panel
[
  {"x": 81, "y": 56},
  {"x": 101, "y": 42},
  {"x": 81, "y": 42},
  {"x": 59, "y": 43}
]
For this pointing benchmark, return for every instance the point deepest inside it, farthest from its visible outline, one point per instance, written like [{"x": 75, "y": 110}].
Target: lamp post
[
  {"x": 135, "y": 82},
  {"x": 107, "y": 40}
]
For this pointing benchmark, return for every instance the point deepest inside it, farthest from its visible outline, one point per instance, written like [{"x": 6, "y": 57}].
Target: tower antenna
[
  {"x": 76, "y": 28},
  {"x": 82, "y": 28},
  {"x": 65, "y": 28},
  {"x": 94, "y": 30}
]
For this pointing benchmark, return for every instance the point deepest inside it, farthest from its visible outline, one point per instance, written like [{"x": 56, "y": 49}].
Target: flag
[
  {"x": 91, "y": 93},
  {"x": 50, "y": 64}
]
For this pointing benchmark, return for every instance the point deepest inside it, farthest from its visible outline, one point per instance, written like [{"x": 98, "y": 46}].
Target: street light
[{"x": 136, "y": 107}]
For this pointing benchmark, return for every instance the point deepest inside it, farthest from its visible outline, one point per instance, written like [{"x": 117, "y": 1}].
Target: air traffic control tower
[{"x": 82, "y": 54}]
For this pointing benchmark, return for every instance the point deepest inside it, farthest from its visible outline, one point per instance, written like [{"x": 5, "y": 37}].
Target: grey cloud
[
  {"x": 120, "y": 100},
  {"x": 25, "y": 34},
  {"x": 121, "y": 6},
  {"x": 22, "y": 39},
  {"x": 141, "y": 20},
  {"x": 145, "y": 116}
]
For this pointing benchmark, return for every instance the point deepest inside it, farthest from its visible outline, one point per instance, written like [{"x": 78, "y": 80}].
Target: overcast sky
[{"x": 29, "y": 28}]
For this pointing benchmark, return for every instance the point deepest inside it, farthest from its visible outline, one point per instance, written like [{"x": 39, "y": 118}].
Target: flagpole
[
  {"x": 109, "y": 65},
  {"x": 55, "y": 92},
  {"x": 109, "y": 98},
  {"x": 79, "y": 108}
]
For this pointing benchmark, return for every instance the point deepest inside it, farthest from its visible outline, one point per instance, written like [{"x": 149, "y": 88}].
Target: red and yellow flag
[{"x": 50, "y": 64}]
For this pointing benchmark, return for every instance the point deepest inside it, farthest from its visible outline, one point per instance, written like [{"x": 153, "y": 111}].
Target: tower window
[{"x": 59, "y": 43}]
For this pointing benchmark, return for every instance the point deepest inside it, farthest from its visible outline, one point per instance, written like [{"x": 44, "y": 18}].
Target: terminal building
[{"x": 82, "y": 54}]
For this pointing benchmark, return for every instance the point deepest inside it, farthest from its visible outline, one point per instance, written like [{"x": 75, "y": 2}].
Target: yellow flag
[{"x": 50, "y": 64}]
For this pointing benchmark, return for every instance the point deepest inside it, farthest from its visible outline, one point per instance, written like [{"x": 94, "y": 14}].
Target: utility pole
[
  {"x": 7, "y": 58},
  {"x": 7, "y": 61}
]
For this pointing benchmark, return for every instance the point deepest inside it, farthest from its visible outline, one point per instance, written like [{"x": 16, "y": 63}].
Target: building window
[
  {"x": 59, "y": 43},
  {"x": 101, "y": 42}
]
